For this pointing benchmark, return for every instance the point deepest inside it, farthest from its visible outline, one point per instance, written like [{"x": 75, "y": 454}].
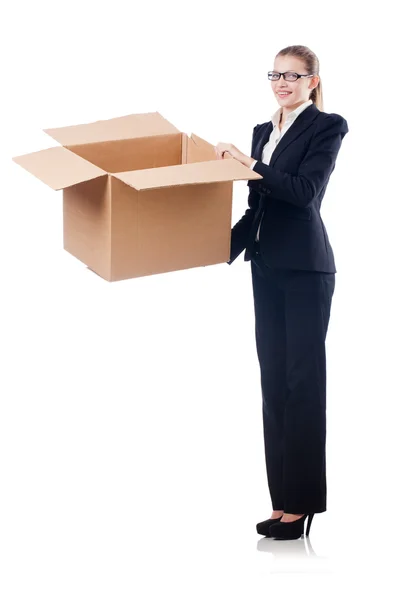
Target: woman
[{"x": 293, "y": 278}]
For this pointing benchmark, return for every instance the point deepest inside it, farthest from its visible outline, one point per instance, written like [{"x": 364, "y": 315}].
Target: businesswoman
[{"x": 293, "y": 279}]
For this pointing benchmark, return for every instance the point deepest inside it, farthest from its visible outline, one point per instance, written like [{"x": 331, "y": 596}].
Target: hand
[{"x": 222, "y": 148}]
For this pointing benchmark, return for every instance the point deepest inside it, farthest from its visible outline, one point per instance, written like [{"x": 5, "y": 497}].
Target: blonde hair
[{"x": 312, "y": 65}]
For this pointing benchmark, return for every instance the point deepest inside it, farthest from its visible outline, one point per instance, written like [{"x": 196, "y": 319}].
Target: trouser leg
[
  {"x": 308, "y": 297},
  {"x": 270, "y": 337}
]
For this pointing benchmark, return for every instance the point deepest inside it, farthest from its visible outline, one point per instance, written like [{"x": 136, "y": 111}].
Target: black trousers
[{"x": 292, "y": 311}]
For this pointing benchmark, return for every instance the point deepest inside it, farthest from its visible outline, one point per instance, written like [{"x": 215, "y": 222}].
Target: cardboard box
[{"x": 139, "y": 196}]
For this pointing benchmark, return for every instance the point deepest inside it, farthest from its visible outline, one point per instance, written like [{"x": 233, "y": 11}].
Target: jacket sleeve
[
  {"x": 242, "y": 228},
  {"x": 315, "y": 169}
]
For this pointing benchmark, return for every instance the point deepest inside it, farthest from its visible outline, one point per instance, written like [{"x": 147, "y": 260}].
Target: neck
[{"x": 286, "y": 110}]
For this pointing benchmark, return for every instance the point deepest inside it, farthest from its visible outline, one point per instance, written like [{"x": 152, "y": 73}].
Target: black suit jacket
[{"x": 292, "y": 233}]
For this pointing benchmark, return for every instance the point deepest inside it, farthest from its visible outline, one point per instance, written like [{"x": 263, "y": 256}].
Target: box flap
[
  {"x": 202, "y": 172},
  {"x": 199, "y": 141},
  {"x": 199, "y": 150},
  {"x": 58, "y": 167},
  {"x": 120, "y": 128}
]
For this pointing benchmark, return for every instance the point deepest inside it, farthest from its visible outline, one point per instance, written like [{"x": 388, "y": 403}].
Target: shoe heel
[{"x": 309, "y": 522}]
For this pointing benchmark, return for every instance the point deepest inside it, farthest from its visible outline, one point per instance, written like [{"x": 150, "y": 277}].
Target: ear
[{"x": 314, "y": 81}]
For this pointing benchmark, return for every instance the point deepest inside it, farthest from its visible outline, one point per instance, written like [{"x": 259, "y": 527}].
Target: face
[{"x": 299, "y": 90}]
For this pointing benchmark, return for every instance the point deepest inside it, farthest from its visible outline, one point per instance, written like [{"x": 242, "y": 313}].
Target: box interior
[{"x": 118, "y": 156}]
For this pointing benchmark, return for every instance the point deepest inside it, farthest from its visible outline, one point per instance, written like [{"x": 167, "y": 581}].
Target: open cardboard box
[{"x": 139, "y": 196}]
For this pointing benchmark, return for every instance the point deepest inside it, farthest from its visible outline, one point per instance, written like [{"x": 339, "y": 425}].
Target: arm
[
  {"x": 241, "y": 229},
  {"x": 315, "y": 169}
]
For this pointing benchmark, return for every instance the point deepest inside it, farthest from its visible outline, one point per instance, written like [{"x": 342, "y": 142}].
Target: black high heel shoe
[
  {"x": 292, "y": 530},
  {"x": 263, "y": 527}
]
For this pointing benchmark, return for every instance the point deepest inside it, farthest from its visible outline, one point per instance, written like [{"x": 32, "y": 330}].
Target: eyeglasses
[{"x": 288, "y": 76}]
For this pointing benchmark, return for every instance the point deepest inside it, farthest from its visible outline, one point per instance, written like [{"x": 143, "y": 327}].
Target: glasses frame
[{"x": 284, "y": 74}]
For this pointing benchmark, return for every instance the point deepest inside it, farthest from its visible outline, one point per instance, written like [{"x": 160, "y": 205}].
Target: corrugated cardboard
[{"x": 139, "y": 196}]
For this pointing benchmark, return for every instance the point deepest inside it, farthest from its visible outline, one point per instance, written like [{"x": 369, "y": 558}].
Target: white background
[{"x": 132, "y": 461}]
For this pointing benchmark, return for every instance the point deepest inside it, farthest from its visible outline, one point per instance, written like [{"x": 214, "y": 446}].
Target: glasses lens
[
  {"x": 273, "y": 76},
  {"x": 291, "y": 77}
]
